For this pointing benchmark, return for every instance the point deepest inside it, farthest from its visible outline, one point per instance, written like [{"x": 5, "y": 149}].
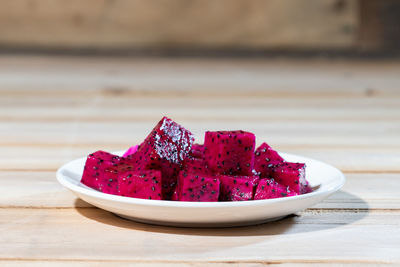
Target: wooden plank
[
  {"x": 250, "y": 263},
  {"x": 206, "y": 24},
  {"x": 66, "y": 76},
  {"x": 294, "y": 134},
  {"x": 93, "y": 234},
  {"x": 32, "y": 189},
  {"x": 129, "y": 112}
]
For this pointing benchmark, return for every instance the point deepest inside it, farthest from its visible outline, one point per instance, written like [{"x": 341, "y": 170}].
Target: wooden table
[{"x": 55, "y": 109}]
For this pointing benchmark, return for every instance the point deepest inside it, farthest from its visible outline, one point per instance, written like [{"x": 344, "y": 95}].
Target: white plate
[{"x": 324, "y": 178}]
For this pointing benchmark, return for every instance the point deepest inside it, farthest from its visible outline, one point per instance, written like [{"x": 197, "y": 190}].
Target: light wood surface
[{"x": 54, "y": 109}]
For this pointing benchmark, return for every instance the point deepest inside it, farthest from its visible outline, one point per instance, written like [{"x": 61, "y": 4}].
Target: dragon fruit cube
[
  {"x": 197, "y": 151},
  {"x": 97, "y": 174},
  {"x": 292, "y": 175},
  {"x": 268, "y": 188},
  {"x": 196, "y": 187},
  {"x": 265, "y": 160},
  {"x": 195, "y": 165},
  {"x": 237, "y": 188},
  {"x": 144, "y": 184},
  {"x": 230, "y": 152},
  {"x": 165, "y": 148}
]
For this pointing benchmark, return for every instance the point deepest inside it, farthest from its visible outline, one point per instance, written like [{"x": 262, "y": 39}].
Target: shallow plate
[{"x": 324, "y": 178}]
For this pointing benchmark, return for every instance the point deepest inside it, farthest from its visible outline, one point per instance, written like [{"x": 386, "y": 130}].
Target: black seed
[
  {"x": 202, "y": 179},
  {"x": 262, "y": 187},
  {"x": 283, "y": 194},
  {"x": 213, "y": 192},
  {"x": 247, "y": 183},
  {"x": 234, "y": 181},
  {"x": 110, "y": 180},
  {"x": 240, "y": 142},
  {"x": 190, "y": 189}
]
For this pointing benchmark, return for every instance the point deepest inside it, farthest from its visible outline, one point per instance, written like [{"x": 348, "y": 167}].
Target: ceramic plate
[{"x": 325, "y": 180}]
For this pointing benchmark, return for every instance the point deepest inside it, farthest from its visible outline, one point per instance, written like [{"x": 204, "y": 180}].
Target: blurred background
[
  {"x": 313, "y": 77},
  {"x": 201, "y": 27}
]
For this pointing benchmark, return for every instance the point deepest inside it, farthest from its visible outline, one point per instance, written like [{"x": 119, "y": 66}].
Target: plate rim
[{"x": 187, "y": 204}]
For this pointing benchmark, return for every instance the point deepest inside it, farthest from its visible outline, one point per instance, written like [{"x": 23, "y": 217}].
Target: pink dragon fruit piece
[
  {"x": 109, "y": 183},
  {"x": 96, "y": 164},
  {"x": 292, "y": 175},
  {"x": 144, "y": 184},
  {"x": 265, "y": 160},
  {"x": 195, "y": 165},
  {"x": 237, "y": 188},
  {"x": 268, "y": 188},
  {"x": 196, "y": 187},
  {"x": 101, "y": 171},
  {"x": 230, "y": 152},
  {"x": 130, "y": 151},
  {"x": 197, "y": 151},
  {"x": 165, "y": 148}
]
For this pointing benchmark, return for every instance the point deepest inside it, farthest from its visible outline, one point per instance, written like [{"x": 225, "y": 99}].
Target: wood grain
[
  {"x": 55, "y": 109},
  {"x": 157, "y": 24},
  {"x": 40, "y": 233}
]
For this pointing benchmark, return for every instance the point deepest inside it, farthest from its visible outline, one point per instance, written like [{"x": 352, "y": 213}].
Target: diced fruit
[
  {"x": 268, "y": 188},
  {"x": 237, "y": 188},
  {"x": 195, "y": 165},
  {"x": 144, "y": 184},
  {"x": 229, "y": 152},
  {"x": 265, "y": 160},
  {"x": 196, "y": 187},
  {"x": 97, "y": 172},
  {"x": 167, "y": 165},
  {"x": 164, "y": 149},
  {"x": 197, "y": 151},
  {"x": 291, "y": 175}
]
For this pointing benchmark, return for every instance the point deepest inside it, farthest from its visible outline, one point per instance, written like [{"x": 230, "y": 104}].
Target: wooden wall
[{"x": 182, "y": 24}]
